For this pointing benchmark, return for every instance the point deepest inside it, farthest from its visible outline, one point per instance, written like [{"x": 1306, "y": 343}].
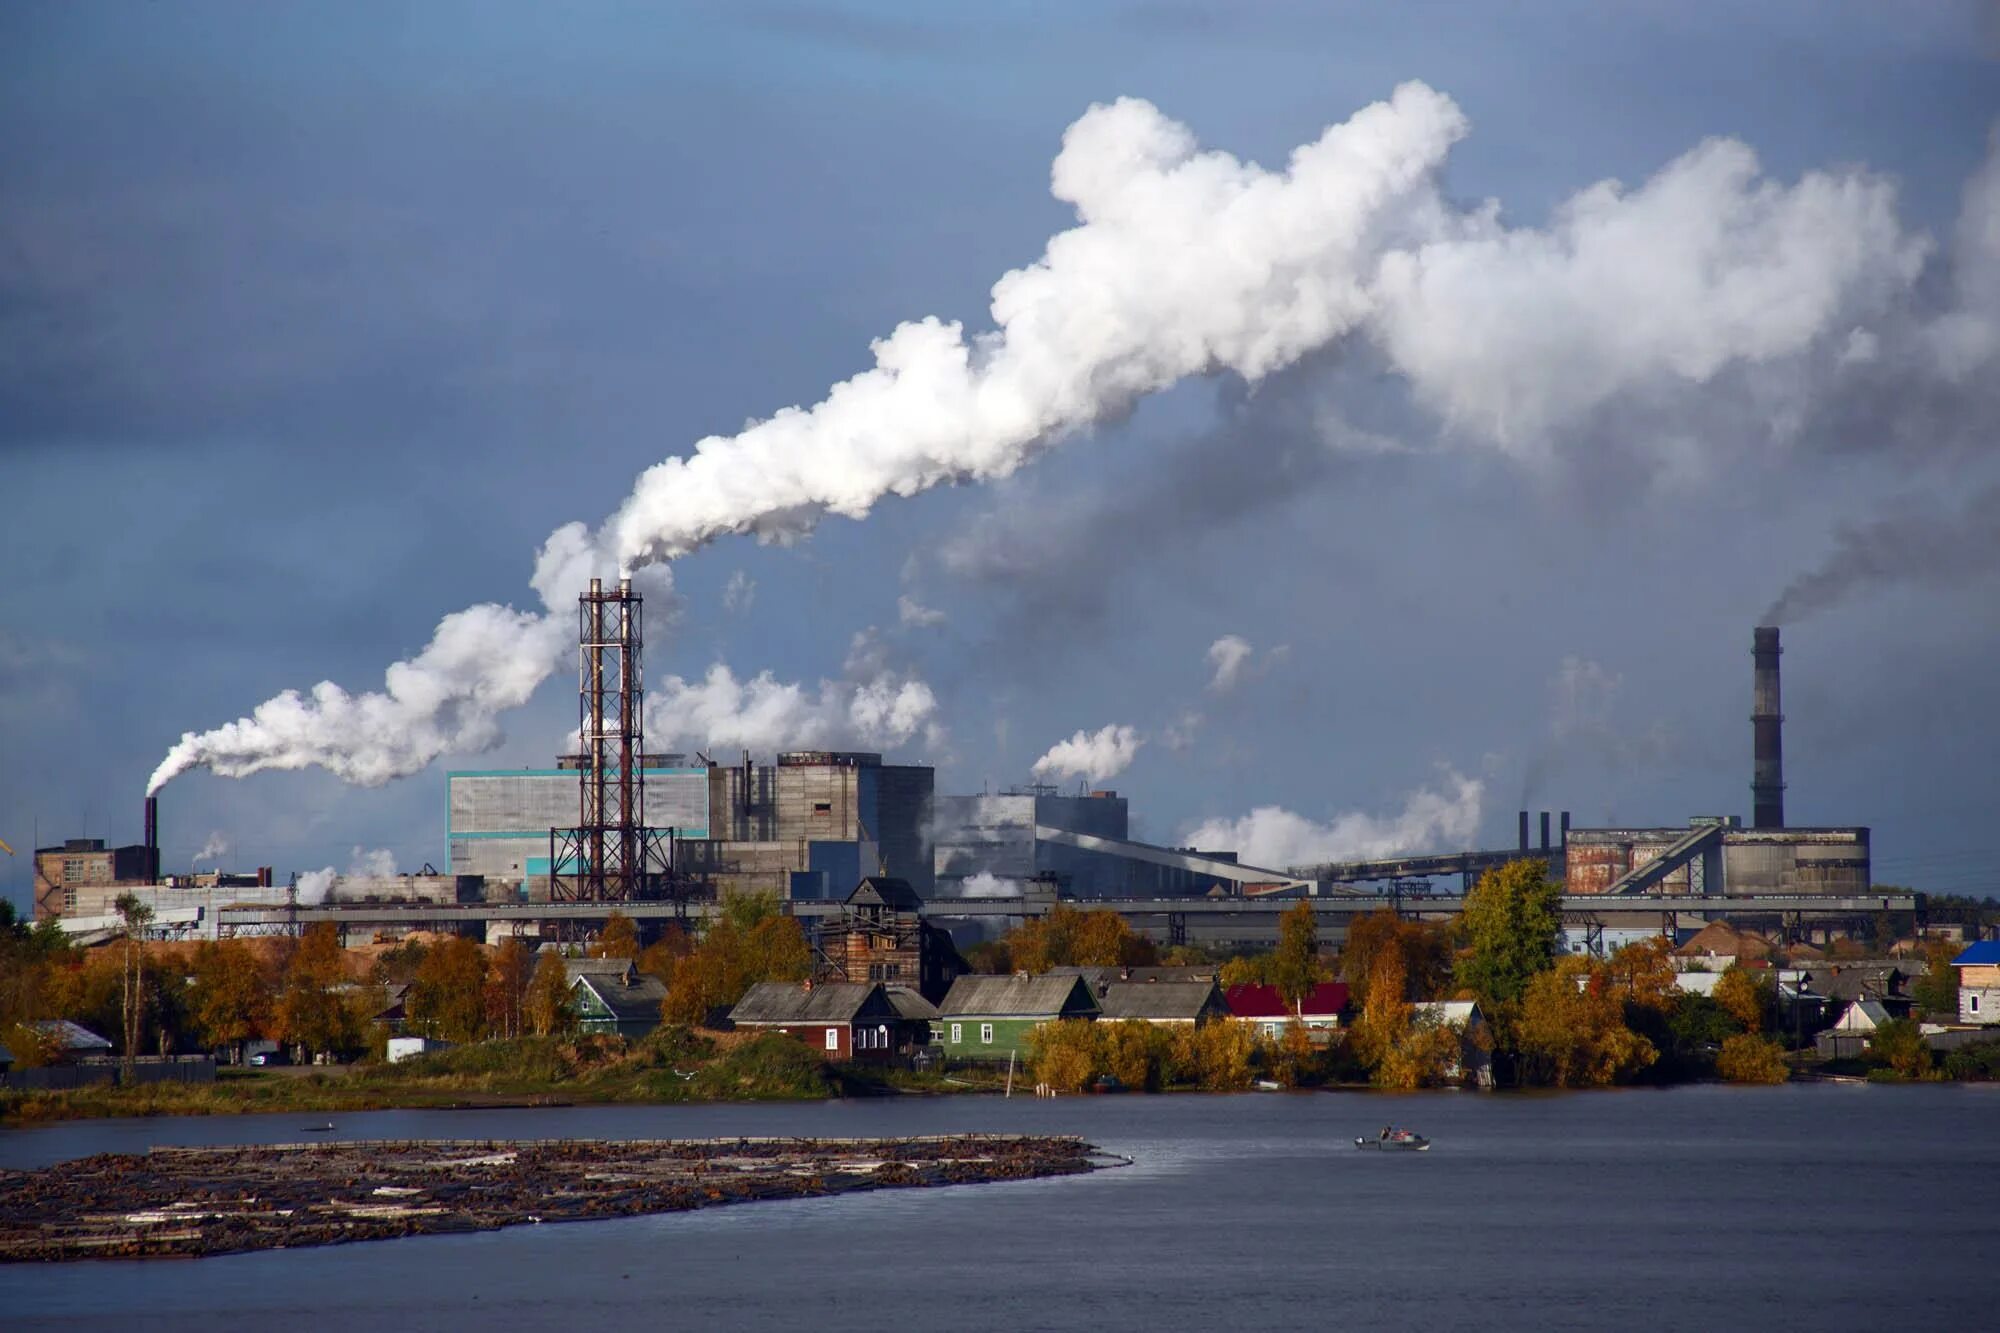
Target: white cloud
[
  {"x": 1094, "y": 756},
  {"x": 873, "y": 705},
  {"x": 739, "y": 593},
  {"x": 1271, "y": 837},
  {"x": 1228, "y": 656},
  {"x": 916, "y": 615}
]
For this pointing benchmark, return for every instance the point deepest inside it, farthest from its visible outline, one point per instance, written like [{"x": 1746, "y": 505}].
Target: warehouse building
[{"x": 1080, "y": 843}]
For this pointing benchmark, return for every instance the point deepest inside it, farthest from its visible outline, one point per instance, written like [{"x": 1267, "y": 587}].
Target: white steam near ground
[
  {"x": 1189, "y": 262},
  {"x": 1274, "y": 838},
  {"x": 1094, "y": 756},
  {"x": 362, "y": 863}
]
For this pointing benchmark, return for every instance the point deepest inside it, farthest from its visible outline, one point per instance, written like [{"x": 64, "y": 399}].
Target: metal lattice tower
[{"x": 608, "y": 856}]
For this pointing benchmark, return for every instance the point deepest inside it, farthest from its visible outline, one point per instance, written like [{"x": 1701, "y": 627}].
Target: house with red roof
[{"x": 1265, "y": 1008}]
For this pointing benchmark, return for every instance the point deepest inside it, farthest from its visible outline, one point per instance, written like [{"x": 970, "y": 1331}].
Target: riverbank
[
  {"x": 191, "y": 1202},
  {"x": 674, "y": 1065}
]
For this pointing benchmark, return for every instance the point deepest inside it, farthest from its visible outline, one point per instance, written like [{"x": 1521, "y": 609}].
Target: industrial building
[
  {"x": 810, "y": 826},
  {"x": 1079, "y": 844}
]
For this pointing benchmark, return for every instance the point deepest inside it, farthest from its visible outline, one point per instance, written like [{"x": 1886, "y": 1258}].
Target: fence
[{"x": 99, "y": 1069}]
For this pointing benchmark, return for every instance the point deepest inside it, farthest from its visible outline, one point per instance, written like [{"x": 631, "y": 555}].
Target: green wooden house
[
  {"x": 612, "y": 996},
  {"x": 989, "y": 1018}
]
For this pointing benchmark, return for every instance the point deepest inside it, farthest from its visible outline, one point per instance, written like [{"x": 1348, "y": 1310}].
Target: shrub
[
  {"x": 1747, "y": 1058},
  {"x": 1900, "y": 1045}
]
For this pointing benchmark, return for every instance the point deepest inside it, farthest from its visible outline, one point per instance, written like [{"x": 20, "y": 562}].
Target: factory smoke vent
[
  {"x": 152, "y": 836},
  {"x": 1767, "y": 722}
]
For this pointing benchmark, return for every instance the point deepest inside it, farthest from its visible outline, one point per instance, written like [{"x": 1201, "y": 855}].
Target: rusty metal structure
[
  {"x": 610, "y": 855},
  {"x": 1767, "y": 721}
]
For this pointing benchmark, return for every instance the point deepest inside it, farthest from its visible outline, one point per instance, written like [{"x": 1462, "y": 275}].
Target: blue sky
[{"x": 315, "y": 321}]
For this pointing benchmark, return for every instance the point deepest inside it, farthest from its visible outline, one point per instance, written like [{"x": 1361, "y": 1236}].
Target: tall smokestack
[
  {"x": 1524, "y": 832},
  {"x": 1767, "y": 722},
  {"x": 152, "y": 840}
]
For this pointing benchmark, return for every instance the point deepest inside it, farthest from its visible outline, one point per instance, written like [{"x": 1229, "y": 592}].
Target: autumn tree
[
  {"x": 1069, "y": 937},
  {"x": 1642, "y": 974},
  {"x": 1747, "y": 996},
  {"x": 1510, "y": 925},
  {"x": 1936, "y": 991},
  {"x": 549, "y": 1010},
  {"x": 1216, "y": 1056},
  {"x": 663, "y": 955},
  {"x": 1295, "y": 965},
  {"x": 448, "y": 998},
  {"x": 1571, "y": 1029},
  {"x": 619, "y": 938},
  {"x": 1064, "y": 1055},
  {"x": 748, "y": 943},
  {"x": 313, "y": 1010},
  {"x": 1254, "y": 969},
  {"x": 134, "y": 915},
  {"x": 507, "y": 987},
  {"x": 229, "y": 995},
  {"x": 31, "y": 961},
  {"x": 1424, "y": 952},
  {"x": 1747, "y": 1058}
]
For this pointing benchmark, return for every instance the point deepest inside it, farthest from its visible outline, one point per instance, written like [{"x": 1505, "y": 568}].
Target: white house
[{"x": 1475, "y": 1055}]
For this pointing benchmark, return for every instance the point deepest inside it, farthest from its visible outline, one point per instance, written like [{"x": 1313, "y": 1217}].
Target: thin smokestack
[
  {"x": 1767, "y": 722},
  {"x": 1545, "y": 831},
  {"x": 152, "y": 839},
  {"x": 1524, "y": 830}
]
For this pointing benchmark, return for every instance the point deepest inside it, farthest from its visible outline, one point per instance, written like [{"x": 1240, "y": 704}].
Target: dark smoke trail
[{"x": 1926, "y": 547}]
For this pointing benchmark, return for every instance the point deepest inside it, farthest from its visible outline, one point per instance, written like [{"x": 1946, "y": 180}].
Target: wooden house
[
  {"x": 611, "y": 995},
  {"x": 1168, "y": 1003},
  {"x": 1267, "y": 1010},
  {"x": 880, "y": 935},
  {"x": 842, "y": 1020},
  {"x": 989, "y": 1018}
]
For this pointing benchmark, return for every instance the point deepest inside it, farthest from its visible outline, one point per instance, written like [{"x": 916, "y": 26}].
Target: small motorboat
[
  {"x": 1396, "y": 1140},
  {"x": 327, "y": 1128}
]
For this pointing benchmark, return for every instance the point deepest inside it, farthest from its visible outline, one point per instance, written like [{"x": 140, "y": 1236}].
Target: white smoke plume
[
  {"x": 1094, "y": 756},
  {"x": 1184, "y": 262},
  {"x": 1179, "y": 734},
  {"x": 380, "y": 863},
  {"x": 1228, "y": 656},
  {"x": 986, "y": 884},
  {"x": 1271, "y": 837},
  {"x": 873, "y": 705},
  {"x": 314, "y": 885},
  {"x": 213, "y": 848}
]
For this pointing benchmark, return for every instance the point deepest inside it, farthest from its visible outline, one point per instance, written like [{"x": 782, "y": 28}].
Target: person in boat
[{"x": 1388, "y": 1132}]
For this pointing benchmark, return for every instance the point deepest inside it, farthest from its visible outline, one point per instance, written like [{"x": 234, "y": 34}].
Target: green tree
[
  {"x": 1510, "y": 925},
  {"x": 1295, "y": 966},
  {"x": 1899, "y": 1044},
  {"x": 448, "y": 998},
  {"x": 134, "y": 916},
  {"x": 1747, "y": 1058},
  {"x": 1936, "y": 991},
  {"x": 550, "y": 1011},
  {"x": 229, "y": 996}
]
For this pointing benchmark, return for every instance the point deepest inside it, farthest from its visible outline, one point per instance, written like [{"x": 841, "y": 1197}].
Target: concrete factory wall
[
  {"x": 61, "y": 873},
  {"x": 1828, "y": 861},
  {"x": 497, "y": 822},
  {"x": 995, "y": 835}
]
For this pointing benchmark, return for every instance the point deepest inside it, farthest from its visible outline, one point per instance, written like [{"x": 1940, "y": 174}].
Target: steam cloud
[
  {"x": 1916, "y": 546},
  {"x": 362, "y": 863},
  {"x": 1228, "y": 656},
  {"x": 213, "y": 848},
  {"x": 1275, "y": 838},
  {"x": 1185, "y": 262},
  {"x": 873, "y": 706},
  {"x": 1094, "y": 756}
]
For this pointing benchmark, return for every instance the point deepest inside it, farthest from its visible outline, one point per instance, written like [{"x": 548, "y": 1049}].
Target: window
[
  {"x": 986, "y": 1034},
  {"x": 822, "y": 807},
  {"x": 833, "y": 1039},
  {"x": 957, "y": 1035},
  {"x": 1975, "y": 1004}
]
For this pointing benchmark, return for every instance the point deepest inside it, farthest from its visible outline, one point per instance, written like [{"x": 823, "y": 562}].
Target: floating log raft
[{"x": 182, "y": 1202}]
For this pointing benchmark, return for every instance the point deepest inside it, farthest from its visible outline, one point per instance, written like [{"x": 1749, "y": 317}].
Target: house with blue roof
[{"x": 1979, "y": 983}]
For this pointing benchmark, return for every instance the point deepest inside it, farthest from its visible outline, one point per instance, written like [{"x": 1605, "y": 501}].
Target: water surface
[{"x": 1708, "y": 1207}]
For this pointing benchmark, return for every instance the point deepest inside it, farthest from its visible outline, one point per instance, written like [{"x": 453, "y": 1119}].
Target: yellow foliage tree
[
  {"x": 314, "y": 1008},
  {"x": 1064, "y": 1055},
  {"x": 1642, "y": 973},
  {"x": 742, "y": 947},
  {"x": 1746, "y": 995},
  {"x": 1571, "y": 1032},
  {"x": 229, "y": 997},
  {"x": 507, "y": 990},
  {"x": 1747, "y": 1058},
  {"x": 1217, "y": 1056},
  {"x": 1069, "y": 937},
  {"x": 548, "y": 1009},
  {"x": 618, "y": 939}
]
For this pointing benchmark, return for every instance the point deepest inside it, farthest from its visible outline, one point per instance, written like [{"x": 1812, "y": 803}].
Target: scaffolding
[{"x": 610, "y": 855}]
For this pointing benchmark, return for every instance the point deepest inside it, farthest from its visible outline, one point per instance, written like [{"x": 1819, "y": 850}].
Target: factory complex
[{"x": 551, "y": 852}]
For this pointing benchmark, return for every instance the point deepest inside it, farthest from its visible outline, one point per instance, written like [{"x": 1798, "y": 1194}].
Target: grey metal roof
[
  {"x": 71, "y": 1036},
  {"x": 910, "y": 1005},
  {"x": 1017, "y": 997},
  {"x": 822, "y": 1002},
  {"x": 578, "y": 967},
  {"x": 1160, "y": 999},
  {"x": 630, "y": 1001}
]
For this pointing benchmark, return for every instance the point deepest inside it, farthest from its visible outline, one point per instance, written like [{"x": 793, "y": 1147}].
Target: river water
[{"x": 1706, "y": 1207}]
